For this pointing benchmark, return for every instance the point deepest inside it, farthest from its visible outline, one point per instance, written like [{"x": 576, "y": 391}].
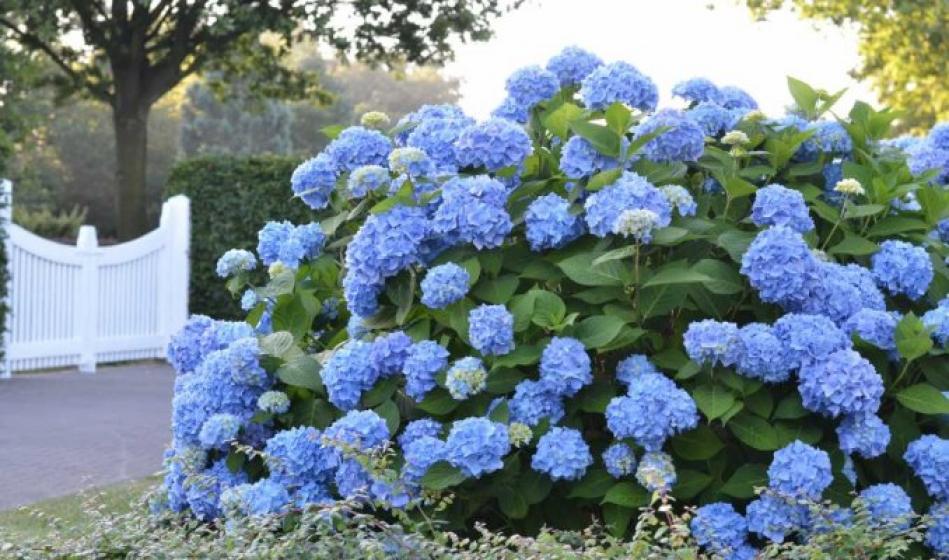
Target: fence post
[
  {"x": 176, "y": 222},
  {"x": 87, "y": 302},
  {"x": 6, "y": 218}
]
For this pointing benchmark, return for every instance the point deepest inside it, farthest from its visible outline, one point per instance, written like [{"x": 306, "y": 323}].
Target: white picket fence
[{"x": 83, "y": 305}]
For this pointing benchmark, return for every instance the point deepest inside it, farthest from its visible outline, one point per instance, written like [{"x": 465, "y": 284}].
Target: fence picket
[{"x": 87, "y": 305}]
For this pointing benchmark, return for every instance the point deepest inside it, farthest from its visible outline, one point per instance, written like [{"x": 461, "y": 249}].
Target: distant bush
[
  {"x": 52, "y": 225},
  {"x": 231, "y": 199}
]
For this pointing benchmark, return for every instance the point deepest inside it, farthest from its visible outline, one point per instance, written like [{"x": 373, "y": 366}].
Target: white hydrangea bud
[
  {"x": 375, "y": 119},
  {"x": 276, "y": 268},
  {"x": 519, "y": 434},
  {"x": 849, "y": 187},
  {"x": 735, "y": 138},
  {"x": 637, "y": 223}
]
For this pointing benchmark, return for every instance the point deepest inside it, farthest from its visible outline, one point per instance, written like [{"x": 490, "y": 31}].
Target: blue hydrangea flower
[
  {"x": 774, "y": 518},
  {"x": 511, "y": 110},
  {"x": 638, "y": 224},
  {"x": 565, "y": 367},
  {"x": 244, "y": 357},
  {"x": 842, "y": 383},
  {"x": 443, "y": 285},
  {"x": 902, "y": 268},
  {"x": 719, "y": 528},
  {"x": 831, "y": 137},
  {"x": 274, "y": 402},
  {"x": 437, "y": 137},
  {"x": 477, "y": 446},
  {"x": 357, "y": 146},
  {"x": 491, "y": 329},
  {"x": 875, "y": 326},
  {"x": 409, "y": 122},
  {"x": 412, "y": 162},
  {"x": 423, "y": 427},
  {"x": 942, "y": 231},
  {"x": 493, "y": 145},
  {"x": 530, "y": 85},
  {"x": 888, "y": 505},
  {"x": 562, "y": 454},
  {"x": 283, "y": 242},
  {"x": 366, "y": 179},
  {"x": 656, "y": 472},
  {"x": 422, "y": 363},
  {"x": 620, "y": 460},
  {"x": 776, "y": 205},
  {"x": 939, "y": 135},
  {"x": 549, "y": 224},
  {"x": 264, "y": 497},
  {"x": 248, "y": 300},
  {"x": 713, "y": 119},
  {"x": 618, "y": 82},
  {"x": 928, "y": 456},
  {"x": 420, "y": 454},
  {"x": 937, "y": 534},
  {"x": 579, "y": 159},
  {"x": 800, "y": 471},
  {"x": 629, "y": 192},
  {"x": 796, "y": 333},
  {"x": 710, "y": 342},
  {"x": 697, "y": 90},
  {"x": 185, "y": 349},
  {"x": 472, "y": 210},
  {"x": 833, "y": 293},
  {"x": 349, "y": 372},
  {"x": 203, "y": 490},
  {"x": 862, "y": 279},
  {"x": 736, "y": 98},
  {"x": 680, "y": 199},
  {"x": 632, "y": 367},
  {"x": 683, "y": 141},
  {"x": 297, "y": 457},
  {"x": 363, "y": 430},
  {"x": 937, "y": 319},
  {"x": 356, "y": 327},
  {"x": 315, "y": 179},
  {"x": 219, "y": 430},
  {"x": 849, "y": 471},
  {"x": 759, "y": 354},
  {"x": 533, "y": 402},
  {"x": 388, "y": 353},
  {"x": 466, "y": 377},
  {"x": 573, "y": 64},
  {"x": 863, "y": 434},
  {"x": 235, "y": 261},
  {"x": 654, "y": 410}
]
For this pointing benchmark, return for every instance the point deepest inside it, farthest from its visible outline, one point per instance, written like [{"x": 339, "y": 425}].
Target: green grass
[{"x": 71, "y": 515}]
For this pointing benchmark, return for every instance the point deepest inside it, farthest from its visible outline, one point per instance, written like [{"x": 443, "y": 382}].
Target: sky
[{"x": 668, "y": 40}]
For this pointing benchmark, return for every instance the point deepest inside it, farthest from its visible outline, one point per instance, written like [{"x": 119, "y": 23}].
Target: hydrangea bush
[{"x": 581, "y": 302}]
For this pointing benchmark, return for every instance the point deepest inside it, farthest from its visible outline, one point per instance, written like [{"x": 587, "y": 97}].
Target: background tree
[
  {"x": 904, "y": 45},
  {"x": 134, "y": 51}
]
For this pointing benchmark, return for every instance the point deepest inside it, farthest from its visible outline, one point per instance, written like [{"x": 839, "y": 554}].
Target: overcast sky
[{"x": 669, "y": 40}]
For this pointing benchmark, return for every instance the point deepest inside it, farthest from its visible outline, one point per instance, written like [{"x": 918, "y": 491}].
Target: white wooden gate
[{"x": 83, "y": 305}]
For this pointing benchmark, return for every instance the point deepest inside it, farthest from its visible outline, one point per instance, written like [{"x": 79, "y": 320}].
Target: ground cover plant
[{"x": 585, "y": 304}]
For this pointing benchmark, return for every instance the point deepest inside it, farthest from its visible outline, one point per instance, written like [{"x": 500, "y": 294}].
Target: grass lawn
[{"x": 71, "y": 514}]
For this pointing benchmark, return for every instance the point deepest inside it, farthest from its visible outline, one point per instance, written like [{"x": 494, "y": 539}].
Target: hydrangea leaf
[
  {"x": 496, "y": 290},
  {"x": 699, "y": 444},
  {"x": 912, "y": 338},
  {"x": 742, "y": 483},
  {"x": 713, "y": 400},
  {"x": 442, "y": 475},
  {"x": 594, "y": 484},
  {"x": 598, "y": 330},
  {"x": 754, "y": 432},
  {"x": 924, "y": 398},
  {"x": 690, "y": 482},
  {"x": 626, "y": 494},
  {"x": 302, "y": 371}
]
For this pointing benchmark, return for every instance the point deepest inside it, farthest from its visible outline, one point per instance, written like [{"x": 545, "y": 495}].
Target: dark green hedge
[{"x": 231, "y": 199}]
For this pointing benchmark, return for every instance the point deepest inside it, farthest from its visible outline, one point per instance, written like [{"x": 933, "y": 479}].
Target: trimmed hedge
[{"x": 231, "y": 199}]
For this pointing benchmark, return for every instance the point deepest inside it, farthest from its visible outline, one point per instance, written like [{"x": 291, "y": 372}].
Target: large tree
[
  {"x": 904, "y": 45},
  {"x": 129, "y": 53}
]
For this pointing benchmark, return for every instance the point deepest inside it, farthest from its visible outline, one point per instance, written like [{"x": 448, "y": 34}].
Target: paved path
[{"x": 62, "y": 432}]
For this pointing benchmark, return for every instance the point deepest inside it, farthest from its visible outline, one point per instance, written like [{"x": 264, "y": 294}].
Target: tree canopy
[{"x": 904, "y": 47}]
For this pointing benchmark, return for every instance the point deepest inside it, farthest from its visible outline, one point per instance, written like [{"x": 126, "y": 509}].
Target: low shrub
[
  {"x": 581, "y": 305},
  {"x": 231, "y": 199},
  {"x": 51, "y": 225}
]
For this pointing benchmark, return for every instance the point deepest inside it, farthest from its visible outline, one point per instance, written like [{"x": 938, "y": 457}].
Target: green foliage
[
  {"x": 903, "y": 46},
  {"x": 45, "y": 223},
  {"x": 231, "y": 199}
]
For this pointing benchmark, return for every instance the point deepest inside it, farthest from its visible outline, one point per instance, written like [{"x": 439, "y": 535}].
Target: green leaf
[
  {"x": 669, "y": 235},
  {"x": 500, "y": 413},
  {"x": 676, "y": 273},
  {"x": 442, "y": 475},
  {"x": 603, "y": 178},
  {"x": 924, "y": 398},
  {"x": 804, "y": 96},
  {"x": 596, "y": 397},
  {"x": 390, "y": 413},
  {"x": 735, "y": 242},
  {"x": 699, "y": 444},
  {"x": 912, "y": 337},
  {"x": 754, "y": 432},
  {"x": 503, "y": 380},
  {"x": 618, "y": 118},
  {"x": 512, "y": 504},
  {"x": 616, "y": 254},
  {"x": 401, "y": 293},
  {"x": 522, "y": 355},
  {"x": 893, "y": 225},
  {"x": 863, "y": 210},
  {"x": 854, "y": 245},
  {"x": 235, "y": 460},
  {"x": 558, "y": 121},
  {"x": 522, "y": 308},
  {"x": 496, "y": 290},
  {"x": 580, "y": 269},
  {"x": 689, "y": 483},
  {"x": 617, "y": 519},
  {"x": 626, "y": 494},
  {"x": 382, "y": 390},
  {"x": 713, "y": 400},
  {"x": 534, "y": 486},
  {"x": 276, "y": 344},
  {"x": 724, "y": 279},
  {"x": 760, "y": 403},
  {"x": 598, "y": 331},
  {"x": 736, "y": 187},
  {"x": 333, "y": 130},
  {"x": 302, "y": 371},
  {"x": 604, "y": 140},
  {"x": 742, "y": 483},
  {"x": 790, "y": 408},
  {"x": 549, "y": 309},
  {"x": 438, "y": 402},
  {"x": 594, "y": 484}
]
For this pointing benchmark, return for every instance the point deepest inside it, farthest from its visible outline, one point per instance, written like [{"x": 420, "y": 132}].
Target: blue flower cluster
[
  {"x": 549, "y": 224},
  {"x": 863, "y": 434},
  {"x": 443, "y": 285},
  {"x": 633, "y": 366},
  {"x": 572, "y": 65},
  {"x": 929, "y": 458},
  {"x": 776, "y": 205},
  {"x": 288, "y": 244},
  {"x": 565, "y": 367},
  {"x": 656, "y": 472},
  {"x": 348, "y": 373},
  {"x": 629, "y": 192},
  {"x": 684, "y": 140},
  {"x": 422, "y": 363},
  {"x": 714, "y": 119},
  {"x": 698, "y": 90},
  {"x": 579, "y": 159},
  {"x": 235, "y": 261},
  {"x": 619, "y": 460},
  {"x": 937, "y": 320},
  {"x": 800, "y": 471},
  {"x": 491, "y": 330},
  {"x": 562, "y": 454},
  {"x": 533, "y": 401},
  {"x": 466, "y": 377},
  {"x": 314, "y": 180},
  {"x": 720, "y": 529},
  {"x": 219, "y": 430},
  {"x": 529, "y": 86},
  {"x": 902, "y": 268},
  {"x": 477, "y": 446},
  {"x": 472, "y": 210},
  {"x": 618, "y": 82},
  {"x": 492, "y": 145},
  {"x": 888, "y": 505},
  {"x": 843, "y": 383},
  {"x": 874, "y": 326},
  {"x": 436, "y": 133},
  {"x": 709, "y": 342},
  {"x": 759, "y": 354},
  {"x": 780, "y": 266},
  {"x": 653, "y": 410}
]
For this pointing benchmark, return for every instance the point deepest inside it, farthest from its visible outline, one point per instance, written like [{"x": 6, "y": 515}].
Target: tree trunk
[{"x": 131, "y": 143}]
